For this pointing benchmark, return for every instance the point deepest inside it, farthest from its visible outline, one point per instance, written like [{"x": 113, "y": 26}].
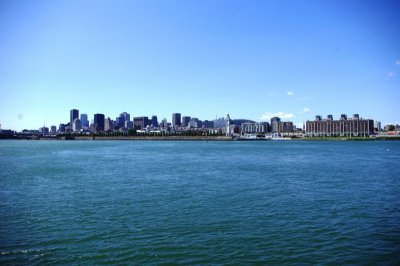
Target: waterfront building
[
  {"x": 185, "y": 121},
  {"x": 286, "y": 127},
  {"x": 74, "y": 113},
  {"x": 275, "y": 121},
  {"x": 344, "y": 127},
  {"x": 98, "y": 122},
  {"x": 53, "y": 129},
  {"x": 154, "y": 121},
  {"x": 140, "y": 122},
  {"x": 84, "y": 120},
  {"x": 261, "y": 127},
  {"x": 76, "y": 125},
  {"x": 176, "y": 120}
]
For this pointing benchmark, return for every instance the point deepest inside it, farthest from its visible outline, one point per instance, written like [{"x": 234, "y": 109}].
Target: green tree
[{"x": 391, "y": 128}]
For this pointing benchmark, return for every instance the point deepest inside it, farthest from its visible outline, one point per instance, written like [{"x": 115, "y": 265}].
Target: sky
[{"x": 203, "y": 58}]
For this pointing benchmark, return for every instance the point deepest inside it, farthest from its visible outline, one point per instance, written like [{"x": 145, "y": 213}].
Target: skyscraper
[
  {"x": 61, "y": 128},
  {"x": 176, "y": 120},
  {"x": 154, "y": 121},
  {"x": 99, "y": 122},
  {"x": 84, "y": 120},
  {"x": 122, "y": 118},
  {"x": 140, "y": 122},
  {"x": 76, "y": 125},
  {"x": 74, "y": 113},
  {"x": 275, "y": 121},
  {"x": 185, "y": 121},
  {"x": 108, "y": 124}
]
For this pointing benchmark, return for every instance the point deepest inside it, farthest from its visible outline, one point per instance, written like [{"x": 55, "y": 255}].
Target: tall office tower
[
  {"x": 84, "y": 120},
  {"x": 122, "y": 118},
  {"x": 128, "y": 124},
  {"x": 126, "y": 116},
  {"x": 140, "y": 122},
  {"x": 61, "y": 128},
  {"x": 176, "y": 120},
  {"x": 275, "y": 121},
  {"x": 108, "y": 124},
  {"x": 154, "y": 121},
  {"x": 185, "y": 121},
  {"x": 53, "y": 129},
  {"x": 99, "y": 122},
  {"x": 76, "y": 125},
  {"x": 74, "y": 113}
]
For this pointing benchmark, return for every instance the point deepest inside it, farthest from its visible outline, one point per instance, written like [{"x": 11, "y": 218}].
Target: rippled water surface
[{"x": 122, "y": 202}]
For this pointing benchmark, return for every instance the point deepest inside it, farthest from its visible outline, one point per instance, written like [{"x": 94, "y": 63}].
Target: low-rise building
[{"x": 261, "y": 127}]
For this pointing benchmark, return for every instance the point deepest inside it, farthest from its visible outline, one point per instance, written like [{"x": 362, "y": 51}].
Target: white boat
[{"x": 276, "y": 136}]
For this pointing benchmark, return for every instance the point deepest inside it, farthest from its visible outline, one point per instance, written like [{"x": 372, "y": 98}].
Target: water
[{"x": 133, "y": 202}]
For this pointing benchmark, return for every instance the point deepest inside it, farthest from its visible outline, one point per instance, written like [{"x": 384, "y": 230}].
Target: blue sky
[{"x": 251, "y": 59}]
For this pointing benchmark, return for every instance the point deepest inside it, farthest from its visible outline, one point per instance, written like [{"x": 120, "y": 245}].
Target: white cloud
[
  {"x": 290, "y": 93},
  {"x": 282, "y": 115},
  {"x": 391, "y": 74},
  {"x": 304, "y": 110},
  {"x": 397, "y": 63}
]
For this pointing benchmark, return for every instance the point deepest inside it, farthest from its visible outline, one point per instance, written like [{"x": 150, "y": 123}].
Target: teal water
[{"x": 134, "y": 202}]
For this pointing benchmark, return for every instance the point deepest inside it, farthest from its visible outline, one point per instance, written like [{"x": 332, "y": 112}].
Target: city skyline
[{"x": 253, "y": 60}]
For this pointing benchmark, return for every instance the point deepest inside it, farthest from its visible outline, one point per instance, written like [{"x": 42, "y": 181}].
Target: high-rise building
[
  {"x": 164, "y": 125},
  {"x": 185, "y": 121},
  {"x": 154, "y": 121},
  {"x": 128, "y": 124},
  {"x": 275, "y": 121},
  {"x": 99, "y": 122},
  {"x": 74, "y": 113},
  {"x": 61, "y": 128},
  {"x": 140, "y": 122},
  {"x": 194, "y": 122},
  {"x": 84, "y": 120},
  {"x": 377, "y": 126},
  {"x": 219, "y": 122},
  {"x": 122, "y": 118},
  {"x": 176, "y": 120},
  {"x": 108, "y": 124},
  {"x": 53, "y": 129},
  {"x": 286, "y": 127},
  {"x": 208, "y": 124},
  {"x": 76, "y": 125},
  {"x": 44, "y": 130}
]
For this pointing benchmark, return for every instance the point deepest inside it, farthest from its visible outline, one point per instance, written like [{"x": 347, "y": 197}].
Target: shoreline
[{"x": 194, "y": 138}]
